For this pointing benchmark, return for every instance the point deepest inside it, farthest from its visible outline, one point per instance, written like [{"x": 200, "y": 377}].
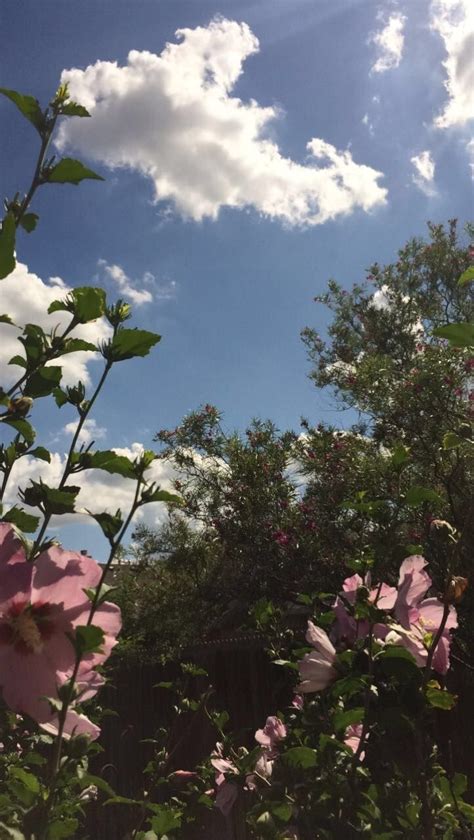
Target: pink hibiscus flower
[
  {"x": 317, "y": 669},
  {"x": 384, "y": 596},
  {"x": 413, "y": 584},
  {"x": 226, "y": 791},
  {"x": 273, "y": 732},
  {"x": 40, "y": 603},
  {"x": 425, "y": 620},
  {"x": 352, "y": 737}
]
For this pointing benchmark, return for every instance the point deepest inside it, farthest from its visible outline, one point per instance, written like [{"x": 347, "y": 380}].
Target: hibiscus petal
[{"x": 320, "y": 640}]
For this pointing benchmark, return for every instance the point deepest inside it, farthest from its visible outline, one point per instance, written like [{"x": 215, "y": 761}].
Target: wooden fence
[{"x": 249, "y": 687}]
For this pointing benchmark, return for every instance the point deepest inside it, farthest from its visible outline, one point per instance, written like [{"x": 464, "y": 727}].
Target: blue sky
[{"x": 215, "y": 210}]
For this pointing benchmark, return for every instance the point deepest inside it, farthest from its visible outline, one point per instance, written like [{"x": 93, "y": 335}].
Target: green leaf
[
  {"x": 86, "y": 303},
  {"x": 23, "y": 428},
  {"x": 29, "y": 221},
  {"x": 43, "y": 382},
  {"x": 70, "y": 171},
  {"x": 166, "y": 820},
  {"x": 18, "y": 360},
  {"x": 50, "y": 499},
  {"x": 110, "y": 524},
  {"x": 151, "y": 494},
  {"x": 27, "y": 779},
  {"x": 109, "y": 461},
  {"x": 342, "y": 720},
  {"x": 451, "y": 440},
  {"x": 439, "y": 698},
  {"x": 73, "y": 109},
  {"x": 417, "y": 495},
  {"x": 282, "y": 811},
  {"x": 129, "y": 343},
  {"x": 87, "y": 639},
  {"x": 5, "y": 319},
  {"x": 7, "y": 245},
  {"x": 60, "y": 396},
  {"x": 400, "y": 455},
  {"x": 60, "y": 829},
  {"x": 28, "y": 105},
  {"x": 467, "y": 276},
  {"x": 303, "y": 757},
  {"x": 105, "y": 591},
  {"x": 98, "y": 781},
  {"x": 458, "y": 335},
  {"x": 42, "y": 453},
  {"x": 24, "y": 521},
  {"x": 73, "y": 345}
]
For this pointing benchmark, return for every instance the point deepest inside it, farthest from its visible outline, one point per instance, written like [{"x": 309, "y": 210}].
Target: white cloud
[
  {"x": 90, "y": 431},
  {"x": 389, "y": 43},
  {"x": 156, "y": 291},
  {"x": 369, "y": 124},
  {"x": 470, "y": 152},
  {"x": 99, "y": 490},
  {"x": 173, "y": 118},
  {"x": 454, "y": 21},
  {"x": 25, "y": 297},
  {"x": 424, "y": 173}
]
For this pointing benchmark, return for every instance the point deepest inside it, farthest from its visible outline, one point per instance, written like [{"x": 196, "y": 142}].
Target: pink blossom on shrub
[
  {"x": 352, "y": 737},
  {"x": 40, "y": 603},
  {"x": 425, "y": 620},
  {"x": 384, "y": 595},
  {"x": 413, "y": 584},
  {"x": 225, "y": 797},
  {"x": 226, "y": 791},
  {"x": 317, "y": 669},
  {"x": 273, "y": 732}
]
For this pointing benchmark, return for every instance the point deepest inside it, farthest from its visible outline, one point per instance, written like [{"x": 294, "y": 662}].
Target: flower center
[{"x": 26, "y": 627}]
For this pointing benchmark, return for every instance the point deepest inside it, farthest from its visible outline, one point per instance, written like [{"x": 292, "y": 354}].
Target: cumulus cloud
[
  {"x": 25, "y": 297},
  {"x": 172, "y": 117},
  {"x": 424, "y": 173},
  {"x": 90, "y": 431},
  {"x": 155, "y": 291},
  {"x": 389, "y": 43},
  {"x": 454, "y": 21},
  {"x": 99, "y": 490}
]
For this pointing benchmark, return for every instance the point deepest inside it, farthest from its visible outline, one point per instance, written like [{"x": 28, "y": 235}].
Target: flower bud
[{"x": 455, "y": 590}]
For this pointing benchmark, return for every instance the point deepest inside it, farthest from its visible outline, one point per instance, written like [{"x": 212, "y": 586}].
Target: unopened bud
[{"x": 455, "y": 590}]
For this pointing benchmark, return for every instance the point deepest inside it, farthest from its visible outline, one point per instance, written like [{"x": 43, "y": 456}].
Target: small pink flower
[
  {"x": 40, "y": 604},
  {"x": 352, "y": 737},
  {"x": 384, "y": 596},
  {"x": 297, "y": 702},
  {"x": 273, "y": 732},
  {"x": 281, "y": 537},
  {"x": 317, "y": 669}
]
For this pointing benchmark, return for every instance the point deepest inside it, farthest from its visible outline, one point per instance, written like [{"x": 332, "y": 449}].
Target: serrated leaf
[
  {"x": 416, "y": 495},
  {"x": 152, "y": 495},
  {"x": 51, "y": 499},
  {"x": 109, "y": 461},
  {"x": 27, "y": 779},
  {"x": 87, "y": 639},
  {"x": 73, "y": 109},
  {"x": 24, "y": 521},
  {"x": 86, "y": 303},
  {"x": 42, "y": 382},
  {"x": 105, "y": 591},
  {"x": 467, "y": 276},
  {"x": 7, "y": 245},
  {"x": 458, "y": 335},
  {"x": 29, "y": 221},
  {"x": 130, "y": 343},
  {"x": 451, "y": 440},
  {"x": 23, "y": 428},
  {"x": 439, "y": 698},
  {"x": 42, "y": 453},
  {"x": 74, "y": 345},
  {"x": 282, "y": 811},
  {"x": 303, "y": 757},
  {"x": 70, "y": 171},
  {"x": 27, "y": 105},
  {"x": 109, "y": 524},
  {"x": 165, "y": 820}
]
